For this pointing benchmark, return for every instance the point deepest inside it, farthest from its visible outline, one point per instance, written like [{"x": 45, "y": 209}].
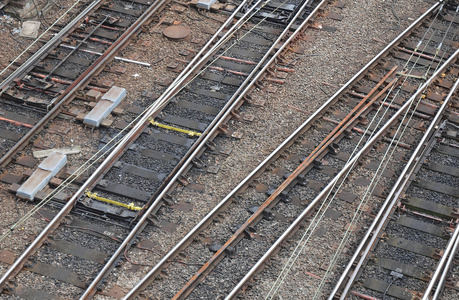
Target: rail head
[
  {"x": 323, "y": 108},
  {"x": 54, "y": 223},
  {"x": 293, "y": 136},
  {"x": 183, "y": 78},
  {"x": 375, "y": 228},
  {"x": 221, "y": 118}
]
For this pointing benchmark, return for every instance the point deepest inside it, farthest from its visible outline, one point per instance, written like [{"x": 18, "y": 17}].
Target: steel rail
[
  {"x": 325, "y": 191},
  {"x": 199, "y": 276},
  {"x": 54, "y": 223},
  {"x": 27, "y": 66},
  {"x": 186, "y": 74},
  {"x": 348, "y": 122},
  {"x": 81, "y": 81},
  {"x": 37, "y": 56},
  {"x": 452, "y": 253},
  {"x": 193, "y": 66},
  {"x": 80, "y": 43},
  {"x": 393, "y": 196},
  {"x": 259, "y": 169},
  {"x": 306, "y": 124},
  {"x": 210, "y": 132}
]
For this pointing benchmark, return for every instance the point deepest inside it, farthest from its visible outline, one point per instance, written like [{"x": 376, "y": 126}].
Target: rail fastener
[{"x": 94, "y": 196}]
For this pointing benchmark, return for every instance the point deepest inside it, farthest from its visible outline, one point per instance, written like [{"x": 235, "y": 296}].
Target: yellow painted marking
[
  {"x": 189, "y": 132},
  {"x": 96, "y": 197}
]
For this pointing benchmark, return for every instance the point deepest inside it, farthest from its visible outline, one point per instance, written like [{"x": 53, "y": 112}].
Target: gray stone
[{"x": 30, "y": 29}]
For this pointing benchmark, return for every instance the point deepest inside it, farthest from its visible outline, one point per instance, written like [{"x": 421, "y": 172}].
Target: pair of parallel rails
[
  {"x": 271, "y": 36},
  {"x": 396, "y": 101}
]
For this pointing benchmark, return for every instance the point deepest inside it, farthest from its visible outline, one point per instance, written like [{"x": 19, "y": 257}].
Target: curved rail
[
  {"x": 168, "y": 94},
  {"x": 227, "y": 200}
]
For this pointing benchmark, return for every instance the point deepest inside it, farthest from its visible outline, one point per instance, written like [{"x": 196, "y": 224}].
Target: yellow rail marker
[
  {"x": 189, "y": 132},
  {"x": 128, "y": 206}
]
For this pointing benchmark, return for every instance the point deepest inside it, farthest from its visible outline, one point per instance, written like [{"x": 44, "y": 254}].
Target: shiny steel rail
[
  {"x": 225, "y": 202},
  {"x": 443, "y": 268},
  {"x": 64, "y": 98},
  {"x": 37, "y": 56},
  {"x": 123, "y": 144},
  {"x": 186, "y": 75},
  {"x": 375, "y": 228},
  {"x": 259, "y": 169},
  {"x": 451, "y": 254},
  {"x": 301, "y": 129},
  {"x": 54, "y": 223}
]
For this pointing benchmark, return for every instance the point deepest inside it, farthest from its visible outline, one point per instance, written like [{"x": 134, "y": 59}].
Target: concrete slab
[
  {"x": 115, "y": 94},
  {"x": 205, "y": 4},
  {"x": 105, "y": 106},
  {"x": 42, "y": 175},
  {"x": 53, "y": 162},
  {"x": 66, "y": 150},
  {"x": 30, "y": 29}
]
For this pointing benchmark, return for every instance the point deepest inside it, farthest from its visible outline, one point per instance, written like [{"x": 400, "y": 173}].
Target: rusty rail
[
  {"x": 66, "y": 97},
  {"x": 100, "y": 63},
  {"x": 375, "y": 228},
  {"x": 192, "y": 68},
  {"x": 346, "y": 123},
  {"x": 256, "y": 172}
]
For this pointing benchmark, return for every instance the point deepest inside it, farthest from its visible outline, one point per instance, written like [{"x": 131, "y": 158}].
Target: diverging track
[
  {"x": 312, "y": 178},
  {"x": 173, "y": 123}
]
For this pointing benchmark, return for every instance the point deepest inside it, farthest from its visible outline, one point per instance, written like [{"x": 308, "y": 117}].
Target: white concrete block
[
  {"x": 105, "y": 106},
  {"x": 115, "y": 94},
  {"x": 30, "y": 29},
  {"x": 42, "y": 175},
  {"x": 205, "y": 4}
]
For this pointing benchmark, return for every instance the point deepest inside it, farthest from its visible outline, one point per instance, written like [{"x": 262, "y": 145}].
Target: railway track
[
  {"x": 175, "y": 124},
  {"x": 100, "y": 212},
  {"x": 299, "y": 182},
  {"x": 412, "y": 218},
  {"x": 48, "y": 80}
]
